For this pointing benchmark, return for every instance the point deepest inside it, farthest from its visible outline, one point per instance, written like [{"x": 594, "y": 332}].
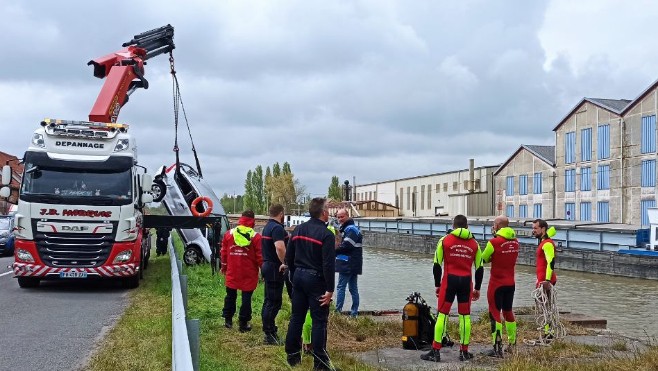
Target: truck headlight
[
  {"x": 24, "y": 256},
  {"x": 37, "y": 140},
  {"x": 123, "y": 257},
  {"x": 122, "y": 145}
]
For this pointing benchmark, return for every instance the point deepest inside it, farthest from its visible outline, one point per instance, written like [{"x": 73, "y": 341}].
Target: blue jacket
[{"x": 349, "y": 255}]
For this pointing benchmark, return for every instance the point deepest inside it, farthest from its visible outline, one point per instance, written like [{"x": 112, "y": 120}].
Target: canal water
[{"x": 628, "y": 304}]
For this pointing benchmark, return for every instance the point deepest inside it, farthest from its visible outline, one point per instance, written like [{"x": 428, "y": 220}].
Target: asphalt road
[{"x": 57, "y": 325}]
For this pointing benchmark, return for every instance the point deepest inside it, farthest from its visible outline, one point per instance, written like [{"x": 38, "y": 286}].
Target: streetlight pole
[{"x": 235, "y": 197}]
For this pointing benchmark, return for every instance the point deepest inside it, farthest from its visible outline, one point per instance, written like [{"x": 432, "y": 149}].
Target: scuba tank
[
  {"x": 410, "y": 325},
  {"x": 417, "y": 323}
]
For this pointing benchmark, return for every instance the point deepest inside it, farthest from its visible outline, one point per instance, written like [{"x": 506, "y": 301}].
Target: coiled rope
[{"x": 547, "y": 313}]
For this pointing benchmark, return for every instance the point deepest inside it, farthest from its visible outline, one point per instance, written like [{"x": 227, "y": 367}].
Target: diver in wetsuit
[
  {"x": 502, "y": 252},
  {"x": 457, "y": 251}
]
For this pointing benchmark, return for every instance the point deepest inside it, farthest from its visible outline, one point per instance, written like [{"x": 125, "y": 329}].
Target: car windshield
[{"x": 114, "y": 187}]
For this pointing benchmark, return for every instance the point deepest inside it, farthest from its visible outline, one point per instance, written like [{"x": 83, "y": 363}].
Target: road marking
[{"x": 6, "y": 273}]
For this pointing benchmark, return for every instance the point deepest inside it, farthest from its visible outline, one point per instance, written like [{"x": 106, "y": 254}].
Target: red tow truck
[{"x": 80, "y": 210}]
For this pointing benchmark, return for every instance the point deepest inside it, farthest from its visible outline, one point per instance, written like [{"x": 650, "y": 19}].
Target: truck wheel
[
  {"x": 131, "y": 282},
  {"x": 146, "y": 259},
  {"x": 192, "y": 255},
  {"x": 158, "y": 189},
  {"x": 28, "y": 282}
]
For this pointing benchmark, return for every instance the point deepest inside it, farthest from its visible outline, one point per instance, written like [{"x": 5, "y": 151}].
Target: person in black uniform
[
  {"x": 274, "y": 243},
  {"x": 310, "y": 257},
  {"x": 162, "y": 237}
]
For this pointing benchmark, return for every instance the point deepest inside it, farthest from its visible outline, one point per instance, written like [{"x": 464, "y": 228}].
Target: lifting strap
[{"x": 178, "y": 102}]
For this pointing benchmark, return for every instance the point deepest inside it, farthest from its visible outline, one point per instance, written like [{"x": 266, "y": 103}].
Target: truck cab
[{"x": 79, "y": 213}]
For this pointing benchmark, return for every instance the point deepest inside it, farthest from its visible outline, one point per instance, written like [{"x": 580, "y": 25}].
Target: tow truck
[{"x": 83, "y": 193}]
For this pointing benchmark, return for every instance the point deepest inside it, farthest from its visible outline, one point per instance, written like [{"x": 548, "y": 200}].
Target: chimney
[{"x": 471, "y": 175}]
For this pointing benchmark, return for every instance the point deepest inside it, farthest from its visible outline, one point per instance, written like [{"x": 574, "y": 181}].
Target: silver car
[{"x": 178, "y": 192}]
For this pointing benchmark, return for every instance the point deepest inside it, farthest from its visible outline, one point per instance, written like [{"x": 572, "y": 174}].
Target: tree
[
  {"x": 249, "y": 199},
  {"x": 268, "y": 191},
  {"x": 334, "y": 193},
  {"x": 231, "y": 203},
  {"x": 276, "y": 186},
  {"x": 258, "y": 190}
]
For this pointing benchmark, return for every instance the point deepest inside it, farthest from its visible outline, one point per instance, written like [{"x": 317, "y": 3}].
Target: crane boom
[{"x": 123, "y": 71}]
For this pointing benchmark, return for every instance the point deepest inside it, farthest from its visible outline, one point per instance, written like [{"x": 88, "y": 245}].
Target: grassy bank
[
  {"x": 141, "y": 339},
  {"x": 228, "y": 349}
]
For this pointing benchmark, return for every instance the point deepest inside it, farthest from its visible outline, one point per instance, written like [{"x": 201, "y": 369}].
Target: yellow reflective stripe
[
  {"x": 549, "y": 253},
  {"x": 488, "y": 252},
  {"x": 478, "y": 257},
  {"x": 438, "y": 255}
]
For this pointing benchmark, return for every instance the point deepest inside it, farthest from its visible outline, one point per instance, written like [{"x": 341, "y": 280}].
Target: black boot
[
  {"x": 271, "y": 339},
  {"x": 433, "y": 356},
  {"x": 294, "y": 359},
  {"x": 228, "y": 322},
  {"x": 494, "y": 353},
  {"x": 447, "y": 342},
  {"x": 464, "y": 355},
  {"x": 244, "y": 326}
]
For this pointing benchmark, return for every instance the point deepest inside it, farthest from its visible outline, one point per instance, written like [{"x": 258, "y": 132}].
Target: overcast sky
[{"x": 375, "y": 90}]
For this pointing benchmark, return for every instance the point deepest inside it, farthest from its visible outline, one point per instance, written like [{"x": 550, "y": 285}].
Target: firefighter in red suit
[
  {"x": 502, "y": 252},
  {"x": 458, "y": 252},
  {"x": 241, "y": 261}
]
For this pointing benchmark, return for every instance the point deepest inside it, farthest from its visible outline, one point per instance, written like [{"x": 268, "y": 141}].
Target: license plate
[{"x": 72, "y": 274}]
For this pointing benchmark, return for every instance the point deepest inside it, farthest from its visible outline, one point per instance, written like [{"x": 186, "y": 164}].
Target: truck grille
[{"x": 73, "y": 249}]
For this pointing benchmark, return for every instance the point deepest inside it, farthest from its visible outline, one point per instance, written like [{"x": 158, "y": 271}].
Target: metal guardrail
[
  {"x": 184, "y": 333},
  {"x": 584, "y": 238}
]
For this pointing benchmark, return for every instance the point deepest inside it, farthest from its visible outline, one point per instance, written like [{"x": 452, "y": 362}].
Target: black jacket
[{"x": 311, "y": 246}]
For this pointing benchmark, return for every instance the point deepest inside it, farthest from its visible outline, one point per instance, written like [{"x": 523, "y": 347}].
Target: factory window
[
  {"x": 603, "y": 177},
  {"x": 586, "y": 179},
  {"x": 586, "y": 144},
  {"x": 648, "y": 173},
  {"x": 603, "y": 142},
  {"x": 570, "y": 147},
  {"x": 648, "y": 134}
]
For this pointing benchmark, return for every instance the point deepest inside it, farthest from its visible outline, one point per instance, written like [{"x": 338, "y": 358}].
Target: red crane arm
[{"x": 124, "y": 71}]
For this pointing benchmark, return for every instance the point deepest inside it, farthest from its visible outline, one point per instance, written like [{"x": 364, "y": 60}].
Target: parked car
[
  {"x": 181, "y": 193},
  {"x": 6, "y": 235}
]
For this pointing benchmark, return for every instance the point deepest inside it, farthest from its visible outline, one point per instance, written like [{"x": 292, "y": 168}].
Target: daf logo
[{"x": 74, "y": 228}]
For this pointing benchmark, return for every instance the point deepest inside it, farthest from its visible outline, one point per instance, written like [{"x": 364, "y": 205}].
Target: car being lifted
[{"x": 184, "y": 192}]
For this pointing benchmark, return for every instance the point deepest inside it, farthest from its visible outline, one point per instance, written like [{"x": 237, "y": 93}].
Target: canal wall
[{"x": 573, "y": 259}]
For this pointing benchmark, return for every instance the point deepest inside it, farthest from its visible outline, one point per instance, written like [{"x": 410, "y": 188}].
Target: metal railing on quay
[
  {"x": 184, "y": 333},
  {"x": 581, "y": 237}
]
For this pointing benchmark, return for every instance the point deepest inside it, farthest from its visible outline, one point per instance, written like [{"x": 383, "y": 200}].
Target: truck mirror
[
  {"x": 6, "y": 175},
  {"x": 147, "y": 198},
  {"x": 147, "y": 182},
  {"x": 5, "y": 192}
]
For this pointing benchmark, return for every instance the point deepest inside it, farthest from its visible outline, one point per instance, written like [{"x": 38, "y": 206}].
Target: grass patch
[
  {"x": 228, "y": 349},
  {"x": 141, "y": 339}
]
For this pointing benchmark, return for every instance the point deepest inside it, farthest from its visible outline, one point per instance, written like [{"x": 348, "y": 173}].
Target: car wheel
[
  {"x": 158, "y": 189},
  {"x": 28, "y": 282},
  {"x": 192, "y": 255}
]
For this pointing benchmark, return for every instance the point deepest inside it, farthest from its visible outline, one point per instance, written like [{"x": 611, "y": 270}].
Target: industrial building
[
  {"x": 604, "y": 165},
  {"x": 525, "y": 183},
  {"x": 469, "y": 191}
]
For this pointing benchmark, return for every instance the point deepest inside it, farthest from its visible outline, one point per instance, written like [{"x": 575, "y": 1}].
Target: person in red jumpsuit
[
  {"x": 458, "y": 252},
  {"x": 502, "y": 252}
]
